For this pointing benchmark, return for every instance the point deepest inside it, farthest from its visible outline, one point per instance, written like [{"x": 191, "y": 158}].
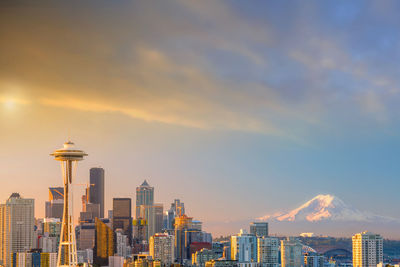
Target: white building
[
  {"x": 121, "y": 242},
  {"x": 291, "y": 253},
  {"x": 162, "y": 248},
  {"x": 268, "y": 251},
  {"x": 244, "y": 247},
  {"x": 313, "y": 260},
  {"x": 115, "y": 261},
  {"x": 16, "y": 227},
  {"x": 367, "y": 249}
]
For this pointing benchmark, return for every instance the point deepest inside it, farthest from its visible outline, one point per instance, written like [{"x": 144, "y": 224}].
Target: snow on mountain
[{"x": 327, "y": 207}]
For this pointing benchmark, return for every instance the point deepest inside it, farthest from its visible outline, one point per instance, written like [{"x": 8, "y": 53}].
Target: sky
[{"x": 239, "y": 109}]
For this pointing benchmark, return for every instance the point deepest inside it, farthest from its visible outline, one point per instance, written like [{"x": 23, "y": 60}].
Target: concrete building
[
  {"x": 162, "y": 248},
  {"x": 97, "y": 189},
  {"x": 313, "y": 260},
  {"x": 221, "y": 263},
  {"x": 121, "y": 244},
  {"x": 259, "y": 229},
  {"x": 244, "y": 247},
  {"x": 55, "y": 206},
  {"x": 367, "y": 249},
  {"x": 16, "y": 227},
  {"x": 291, "y": 253},
  {"x": 115, "y": 261},
  {"x": 268, "y": 251},
  {"x": 144, "y": 196}
]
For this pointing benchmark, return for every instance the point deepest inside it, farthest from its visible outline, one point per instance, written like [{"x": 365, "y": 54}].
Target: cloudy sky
[{"x": 240, "y": 109}]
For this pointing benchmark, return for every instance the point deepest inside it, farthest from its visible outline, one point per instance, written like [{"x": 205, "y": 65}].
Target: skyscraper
[
  {"x": 244, "y": 247},
  {"x": 268, "y": 251},
  {"x": 158, "y": 218},
  {"x": 291, "y": 253},
  {"x": 122, "y": 216},
  {"x": 144, "y": 196},
  {"x": 16, "y": 227},
  {"x": 145, "y": 208},
  {"x": 259, "y": 229},
  {"x": 367, "y": 249},
  {"x": 96, "y": 189},
  {"x": 104, "y": 242},
  {"x": 182, "y": 223}
]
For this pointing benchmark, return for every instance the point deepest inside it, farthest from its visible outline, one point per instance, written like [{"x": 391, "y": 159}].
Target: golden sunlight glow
[{"x": 12, "y": 102}]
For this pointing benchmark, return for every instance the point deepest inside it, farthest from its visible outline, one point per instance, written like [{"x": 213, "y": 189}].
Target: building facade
[
  {"x": 97, "y": 189},
  {"x": 367, "y": 249},
  {"x": 268, "y": 251},
  {"x": 122, "y": 216},
  {"x": 16, "y": 227},
  {"x": 162, "y": 248},
  {"x": 259, "y": 229},
  {"x": 244, "y": 247},
  {"x": 291, "y": 253}
]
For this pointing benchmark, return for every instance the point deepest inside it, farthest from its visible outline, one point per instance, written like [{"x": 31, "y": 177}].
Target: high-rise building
[
  {"x": 244, "y": 247},
  {"x": 87, "y": 236},
  {"x": 144, "y": 196},
  {"x": 291, "y": 253},
  {"x": 182, "y": 224},
  {"x": 158, "y": 218},
  {"x": 162, "y": 248},
  {"x": 122, "y": 216},
  {"x": 268, "y": 251},
  {"x": 97, "y": 189},
  {"x": 313, "y": 260},
  {"x": 104, "y": 244},
  {"x": 16, "y": 227},
  {"x": 121, "y": 244},
  {"x": 259, "y": 229},
  {"x": 55, "y": 206},
  {"x": 367, "y": 249}
]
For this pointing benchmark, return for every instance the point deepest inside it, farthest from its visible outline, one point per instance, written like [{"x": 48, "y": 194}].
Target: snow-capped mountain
[{"x": 327, "y": 208}]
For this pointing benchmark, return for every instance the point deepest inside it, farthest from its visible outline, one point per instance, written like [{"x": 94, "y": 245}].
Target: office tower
[
  {"x": 87, "y": 236},
  {"x": 200, "y": 258},
  {"x": 68, "y": 157},
  {"x": 97, "y": 189},
  {"x": 291, "y": 253},
  {"x": 50, "y": 238},
  {"x": 162, "y": 248},
  {"x": 144, "y": 196},
  {"x": 182, "y": 223},
  {"x": 148, "y": 214},
  {"x": 367, "y": 249},
  {"x": 16, "y": 227},
  {"x": 158, "y": 218},
  {"x": 259, "y": 229},
  {"x": 313, "y": 260},
  {"x": 54, "y": 207},
  {"x": 268, "y": 251},
  {"x": 224, "y": 263},
  {"x": 197, "y": 225},
  {"x": 244, "y": 247},
  {"x": 122, "y": 216},
  {"x": 104, "y": 242}
]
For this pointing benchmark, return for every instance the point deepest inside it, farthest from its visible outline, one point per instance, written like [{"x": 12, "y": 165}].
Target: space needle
[{"x": 68, "y": 157}]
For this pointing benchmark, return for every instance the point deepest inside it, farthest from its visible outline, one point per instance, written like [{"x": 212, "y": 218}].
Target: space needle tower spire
[{"x": 68, "y": 156}]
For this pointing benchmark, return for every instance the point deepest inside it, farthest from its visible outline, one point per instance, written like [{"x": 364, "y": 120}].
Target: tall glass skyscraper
[
  {"x": 144, "y": 196},
  {"x": 96, "y": 189}
]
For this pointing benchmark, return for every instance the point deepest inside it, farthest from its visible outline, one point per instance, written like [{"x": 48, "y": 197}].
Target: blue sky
[{"x": 240, "y": 109}]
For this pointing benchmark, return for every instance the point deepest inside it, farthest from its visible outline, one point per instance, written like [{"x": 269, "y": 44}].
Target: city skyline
[{"x": 207, "y": 101}]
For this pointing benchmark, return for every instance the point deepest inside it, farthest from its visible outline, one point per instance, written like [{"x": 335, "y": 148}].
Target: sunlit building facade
[
  {"x": 244, "y": 247},
  {"x": 268, "y": 251},
  {"x": 104, "y": 244},
  {"x": 162, "y": 248},
  {"x": 367, "y": 249},
  {"x": 16, "y": 227}
]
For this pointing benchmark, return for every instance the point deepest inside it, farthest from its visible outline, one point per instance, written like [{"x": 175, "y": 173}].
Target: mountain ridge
[{"x": 327, "y": 208}]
